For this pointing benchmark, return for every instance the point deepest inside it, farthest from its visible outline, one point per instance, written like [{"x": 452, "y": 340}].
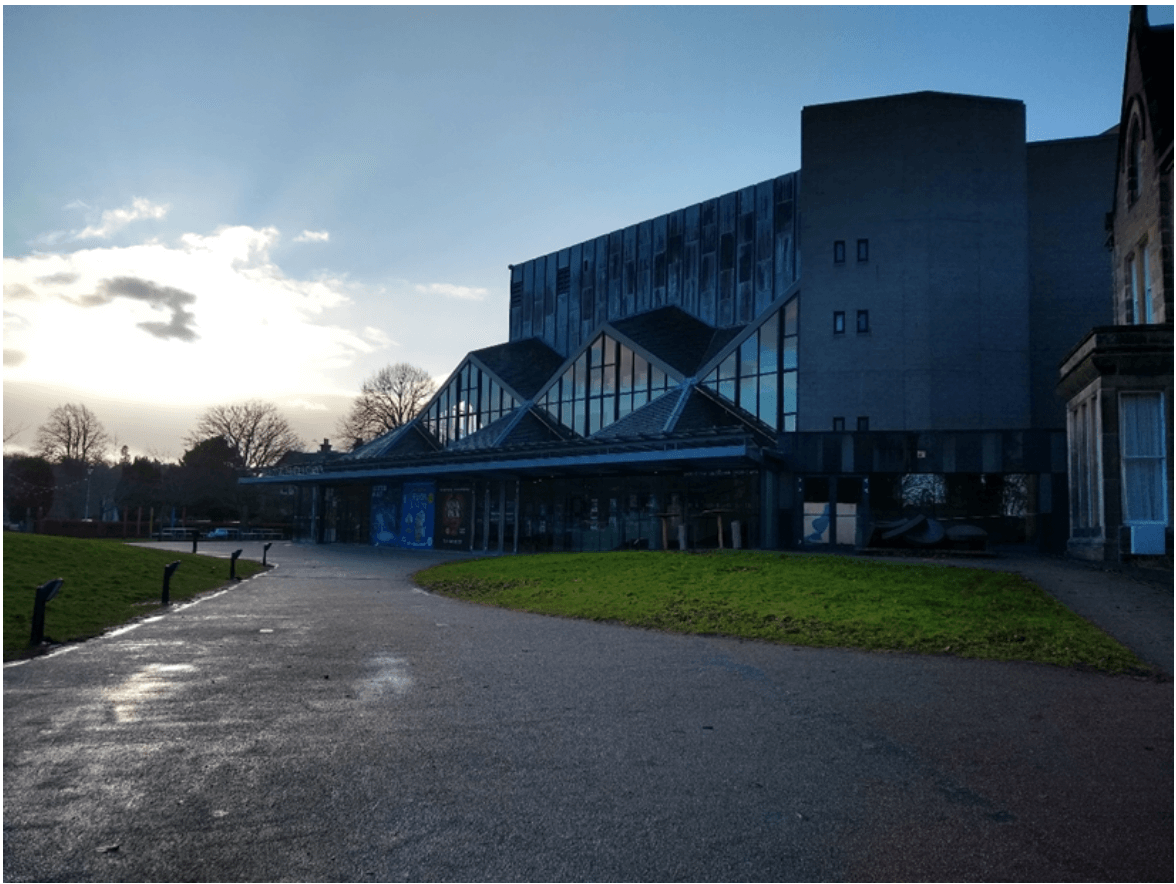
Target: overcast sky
[{"x": 207, "y": 204}]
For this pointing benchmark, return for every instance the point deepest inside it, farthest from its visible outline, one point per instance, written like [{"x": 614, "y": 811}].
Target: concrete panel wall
[
  {"x": 935, "y": 185},
  {"x": 1071, "y": 188},
  {"x": 723, "y": 261}
]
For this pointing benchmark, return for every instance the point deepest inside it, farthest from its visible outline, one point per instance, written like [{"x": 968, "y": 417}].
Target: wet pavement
[{"x": 329, "y": 721}]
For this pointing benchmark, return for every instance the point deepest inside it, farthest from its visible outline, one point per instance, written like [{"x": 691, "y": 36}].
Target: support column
[
  {"x": 516, "y": 516},
  {"x": 501, "y": 516},
  {"x": 486, "y": 518}
]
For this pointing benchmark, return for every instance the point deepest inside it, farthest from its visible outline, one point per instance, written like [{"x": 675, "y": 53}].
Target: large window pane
[
  {"x": 1144, "y": 480},
  {"x": 749, "y": 357},
  {"x": 789, "y": 353},
  {"x": 769, "y": 345},
  {"x": 748, "y": 394},
  {"x": 640, "y": 373},
  {"x": 767, "y": 401},
  {"x": 788, "y": 392},
  {"x": 625, "y": 382}
]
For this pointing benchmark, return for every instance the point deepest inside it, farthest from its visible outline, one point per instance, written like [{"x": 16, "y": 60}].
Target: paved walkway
[{"x": 328, "y": 721}]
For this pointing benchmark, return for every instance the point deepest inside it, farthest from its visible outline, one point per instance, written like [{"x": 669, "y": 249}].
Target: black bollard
[
  {"x": 168, "y": 571},
  {"x": 195, "y": 537},
  {"x": 44, "y": 593},
  {"x": 233, "y": 565},
  {"x": 264, "y": 550}
]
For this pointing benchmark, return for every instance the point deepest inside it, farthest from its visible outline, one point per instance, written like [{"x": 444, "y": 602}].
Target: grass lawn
[
  {"x": 830, "y": 601},
  {"x": 107, "y": 583}
]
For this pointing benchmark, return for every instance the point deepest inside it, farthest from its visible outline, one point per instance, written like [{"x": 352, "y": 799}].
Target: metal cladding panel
[
  {"x": 516, "y": 303},
  {"x": 549, "y": 301},
  {"x": 745, "y": 256},
  {"x": 726, "y": 289},
  {"x": 563, "y": 274},
  {"x": 644, "y": 266},
  {"x": 690, "y": 256},
  {"x": 660, "y": 224},
  {"x": 603, "y": 283},
  {"x": 675, "y": 240},
  {"x": 528, "y": 299},
  {"x": 538, "y": 309},
  {"x": 784, "y": 227},
  {"x": 575, "y": 281},
  {"x": 629, "y": 283},
  {"x": 723, "y": 261},
  {"x": 708, "y": 269},
  {"x": 764, "y": 251}
]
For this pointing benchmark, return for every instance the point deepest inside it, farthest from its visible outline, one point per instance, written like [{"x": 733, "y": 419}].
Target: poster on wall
[
  {"x": 455, "y": 515},
  {"x": 385, "y": 526},
  {"x": 416, "y": 520}
]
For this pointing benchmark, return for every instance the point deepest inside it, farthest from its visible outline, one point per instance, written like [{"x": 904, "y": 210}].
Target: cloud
[
  {"x": 313, "y": 236},
  {"x": 13, "y": 357},
  {"x": 448, "y": 290},
  {"x": 248, "y": 328},
  {"x": 157, "y": 296},
  {"x": 115, "y": 219},
  {"x": 59, "y": 278},
  {"x": 18, "y": 291},
  {"x": 304, "y": 405},
  {"x": 377, "y": 336}
]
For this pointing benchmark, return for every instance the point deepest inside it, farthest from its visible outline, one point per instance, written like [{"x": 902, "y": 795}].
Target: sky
[{"x": 209, "y": 204}]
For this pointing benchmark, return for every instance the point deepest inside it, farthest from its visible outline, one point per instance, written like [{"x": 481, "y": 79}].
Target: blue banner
[{"x": 416, "y": 520}]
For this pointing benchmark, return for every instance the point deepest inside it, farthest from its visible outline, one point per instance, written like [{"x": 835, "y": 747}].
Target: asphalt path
[{"x": 329, "y": 721}]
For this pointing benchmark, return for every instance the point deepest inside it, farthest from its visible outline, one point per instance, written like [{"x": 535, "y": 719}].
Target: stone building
[
  {"x": 1117, "y": 381},
  {"x": 871, "y": 339}
]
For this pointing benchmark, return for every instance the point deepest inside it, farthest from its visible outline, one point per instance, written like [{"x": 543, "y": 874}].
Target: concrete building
[
  {"x": 1117, "y": 380},
  {"x": 870, "y": 340}
]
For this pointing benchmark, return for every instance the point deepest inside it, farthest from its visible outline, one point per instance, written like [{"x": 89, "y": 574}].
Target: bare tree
[
  {"x": 10, "y": 434},
  {"x": 388, "y": 399},
  {"x": 72, "y": 432},
  {"x": 255, "y": 429}
]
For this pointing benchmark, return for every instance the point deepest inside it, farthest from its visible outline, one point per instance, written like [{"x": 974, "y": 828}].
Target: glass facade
[
  {"x": 759, "y": 376},
  {"x": 470, "y": 401},
  {"x": 606, "y": 383}
]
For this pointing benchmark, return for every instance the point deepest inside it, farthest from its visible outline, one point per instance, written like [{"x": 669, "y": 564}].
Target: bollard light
[
  {"x": 168, "y": 571},
  {"x": 45, "y": 592},
  {"x": 233, "y": 565},
  {"x": 264, "y": 550}
]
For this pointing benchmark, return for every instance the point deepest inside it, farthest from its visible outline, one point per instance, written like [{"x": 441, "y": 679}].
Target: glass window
[
  {"x": 1141, "y": 417},
  {"x": 791, "y": 316},
  {"x": 789, "y": 352},
  {"x": 838, "y": 322},
  {"x": 839, "y": 252},
  {"x": 769, "y": 345},
  {"x": 760, "y": 375},
  {"x": 863, "y": 424},
  {"x": 838, "y": 425},
  {"x": 749, "y": 357},
  {"x": 863, "y": 250},
  {"x": 768, "y": 401},
  {"x": 863, "y": 321}
]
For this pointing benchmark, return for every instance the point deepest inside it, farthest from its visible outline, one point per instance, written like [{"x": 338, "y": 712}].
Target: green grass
[
  {"x": 827, "y": 601},
  {"x": 107, "y": 583}
]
